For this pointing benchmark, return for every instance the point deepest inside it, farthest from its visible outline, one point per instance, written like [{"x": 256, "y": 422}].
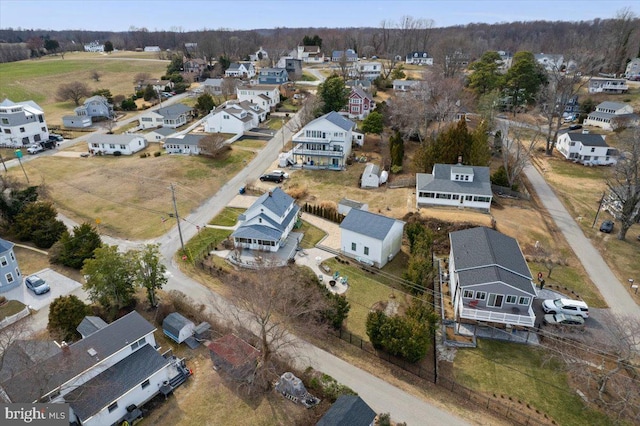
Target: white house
[
  {"x": 76, "y": 121},
  {"x": 366, "y": 70},
  {"x": 608, "y": 85},
  {"x": 152, "y": 48},
  {"x": 266, "y": 96},
  {"x": 490, "y": 279},
  {"x": 100, "y": 376},
  {"x": 94, "y": 46},
  {"x": 373, "y": 176},
  {"x": 266, "y": 225},
  {"x": 550, "y": 62},
  {"x": 241, "y": 70},
  {"x": 259, "y": 55},
  {"x": 95, "y": 106},
  {"x": 609, "y": 115},
  {"x": 159, "y": 134},
  {"x": 586, "y": 148},
  {"x": 172, "y": 116},
  {"x": 370, "y": 238},
  {"x": 234, "y": 117},
  {"x": 308, "y": 54},
  {"x": 10, "y": 275},
  {"x": 22, "y": 123},
  {"x": 419, "y": 58},
  {"x": 156, "y": 84},
  {"x": 632, "y": 72},
  {"x": 348, "y": 55},
  {"x": 324, "y": 143},
  {"x": 454, "y": 186},
  {"x": 126, "y": 144},
  {"x": 183, "y": 144},
  {"x": 405, "y": 85}
]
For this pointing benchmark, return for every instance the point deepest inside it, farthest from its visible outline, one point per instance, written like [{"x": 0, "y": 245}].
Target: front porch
[
  {"x": 256, "y": 259},
  {"x": 514, "y": 316}
]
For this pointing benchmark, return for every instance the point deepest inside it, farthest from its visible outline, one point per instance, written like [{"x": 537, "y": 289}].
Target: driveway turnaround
[{"x": 60, "y": 286}]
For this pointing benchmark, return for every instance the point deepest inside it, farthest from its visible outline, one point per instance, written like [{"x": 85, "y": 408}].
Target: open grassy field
[
  {"x": 130, "y": 194},
  {"x": 39, "y": 79}
]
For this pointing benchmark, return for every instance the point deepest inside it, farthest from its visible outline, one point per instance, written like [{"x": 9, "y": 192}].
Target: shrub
[
  {"x": 395, "y": 169},
  {"x": 143, "y": 155},
  {"x": 117, "y": 153},
  {"x": 3, "y": 300},
  {"x": 157, "y": 154},
  {"x": 297, "y": 191}
]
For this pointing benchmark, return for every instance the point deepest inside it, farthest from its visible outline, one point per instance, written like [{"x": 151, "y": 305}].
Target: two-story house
[
  {"x": 419, "y": 58},
  {"x": 454, "y": 186},
  {"x": 292, "y": 65},
  {"x": 22, "y": 123},
  {"x": 632, "y": 72},
  {"x": 273, "y": 76},
  {"x": 194, "y": 66},
  {"x": 348, "y": 55},
  {"x": 266, "y": 96},
  {"x": 241, "y": 70},
  {"x": 550, "y": 62},
  {"x": 10, "y": 275},
  {"x": 489, "y": 278},
  {"x": 95, "y": 106},
  {"x": 506, "y": 59},
  {"x": 104, "y": 377},
  {"x": 324, "y": 143},
  {"x": 360, "y": 103},
  {"x": 266, "y": 225},
  {"x": 259, "y": 55},
  {"x": 234, "y": 117},
  {"x": 366, "y": 70},
  {"x": 610, "y": 115},
  {"x": 172, "y": 116},
  {"x": 586, "y": 148},
  {"x": 608, "y": 85},
  {"x": 308, "y": 54}
]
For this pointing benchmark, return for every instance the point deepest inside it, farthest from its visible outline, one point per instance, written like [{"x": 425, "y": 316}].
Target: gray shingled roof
[
  {"x": 277, "y": 201},
  {"x": 484, "y": 255},
  {"x": 588, "y": 139},
  {"x": 351, "y": 203},
  {"x": 367, "y": 223},
  {"x": 348, "y": 410},
  {"x": 174, "y": 322},
  {"x": 90, "y": 325},
  {"x": 188, "y": 139},
  {"x": 43, "y": 377},
  {"x": 174, "y": 111},
  {"x": 611, "y": 105},
  {"x": 440, "y": 180},
  {"x": 87, "y": 400},
  {"x": 337, "y": 119},
  {"x": 164, "y": 131}
]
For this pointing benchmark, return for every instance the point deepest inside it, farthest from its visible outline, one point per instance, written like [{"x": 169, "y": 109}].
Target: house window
[
  {"x": 9, "y": 277},
  {"x": 21, "y": 129},
  {"x": 468, "y": 197},
  {"x": 366, "y": 251},
  {"x": 468, "y": 294},
  {"x": 3, "y": 261},
  {"x": 353, "y": 246},
  {"x": 36, "y": 138},
  {"x": 524, "y": 301},
  {"x": 5, "y": 121},
  {"x": 593, "y": 150},
  {"x": 17, "y": 272},
  {"x": 112, "y": 146},
  {"x": 112, "y": 407},
  {"x": 495, "y": 300},
  {"x": 145, "y": 384},
  {"x": 511, "y": 300},
  {"x": 12, "y": 257},
  {"x": 481, "y": 295},
  {"x": 7, "y": 131}
]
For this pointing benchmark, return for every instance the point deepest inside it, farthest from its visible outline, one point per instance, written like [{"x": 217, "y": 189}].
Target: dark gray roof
[
  {"x": 611, "y": 105},
  {"x": 21, "y": 355},
  {"x": 5, "y": 245},
  {"x": 351, "y": 203},
  {"x": 367, "y": 223},
  {"x": 277, "y": 201},
  {"x": 174, "y": 322},
  {"x": 189, "y": 139},
  {"x": 440, "y": 180},
  {"x": 479, "y": 251},
  {"x": 90, "y": 325},
  {"x": 164, "y": 131},
  {"x": 43, "y": 377},
  {"x": 87, "y": 400},
  {"x": 588, "y": 139},
  {"x": 348, "y": 410},
  {"x": 337, "y": 119},
  {"x": 174, "y": 111},
  {"x": 349, "y": 53}
]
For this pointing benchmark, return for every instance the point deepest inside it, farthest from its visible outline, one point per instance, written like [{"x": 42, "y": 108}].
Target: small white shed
[
  {"x": 177, "y": 327},
  {"x": 370, "y": 176}
]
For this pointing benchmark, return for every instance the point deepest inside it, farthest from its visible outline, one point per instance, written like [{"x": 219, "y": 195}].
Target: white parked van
[{"x": 566, "y": 306}]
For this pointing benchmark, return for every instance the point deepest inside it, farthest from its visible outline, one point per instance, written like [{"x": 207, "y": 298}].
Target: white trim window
[
  {"x": 524, "y": 301},
  {"x": 481, "y": 295},
  {"x": 511, "y": 299},
  {"x": 467, "y": 294}
]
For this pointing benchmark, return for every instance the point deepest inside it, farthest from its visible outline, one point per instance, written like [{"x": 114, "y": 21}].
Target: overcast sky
[{"x": 188, "y": 15}]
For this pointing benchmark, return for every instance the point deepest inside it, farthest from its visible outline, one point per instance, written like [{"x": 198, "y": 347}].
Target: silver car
[{"x": 37, "y": 284}]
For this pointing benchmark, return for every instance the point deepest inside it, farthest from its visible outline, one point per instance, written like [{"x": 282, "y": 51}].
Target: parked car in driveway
[
  {"x": 566, "y": 306},
  {"x": 37, "y": 284},
  {"x": 281, "y": 173},
  {"x": 54, "y": 137},
  {"x": 607, "y": 226},
  {"x": 35, "y": 148},
  {"x": 575, "y": 127},
  {"x": 563, "y": 319},
  {"x": 271, "y": 178}
]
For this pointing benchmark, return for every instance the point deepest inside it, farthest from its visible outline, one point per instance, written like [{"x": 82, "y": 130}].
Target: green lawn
[
  {"x": 312, "y": 235},
  {"x": 523, "y": 373},
  {"x": 12, "y": 307},
  {"x": 227, "y": 217},
  {"x": 567, "y": 277},
  {"x": 198, "y": 244}
]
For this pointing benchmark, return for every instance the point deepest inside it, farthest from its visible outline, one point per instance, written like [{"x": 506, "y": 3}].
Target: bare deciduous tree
[
  {"x": 624, "y": 183},
  {"x": 212, "y": 144},
  {"x": 517, "y": 146},
  {"x": 95, "y": 75},
  {"x": 73, "y": 91},
  {"x": 140, "y": 77}
]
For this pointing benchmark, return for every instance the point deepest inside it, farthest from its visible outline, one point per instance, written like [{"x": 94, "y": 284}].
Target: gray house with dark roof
[
  {"x": 586, "y": 148},
  {"x": 172, "y": 116},
  {"x": 266, "y": 225},
  {"x": 100, "y": 376},
  {"x": 10, "y": 275},
  {"x": 489, "y": 278},
  {"x": 348, "y": 410},
  {"x": 611, "y": 115},
  {"x": 454, "y": 186},
  {"x": 183, "y": 144},
  {"x": 370, "y": 238}
]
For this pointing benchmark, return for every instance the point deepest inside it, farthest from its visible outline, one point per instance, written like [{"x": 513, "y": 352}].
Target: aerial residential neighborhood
[{"x": 376, "y": 219}]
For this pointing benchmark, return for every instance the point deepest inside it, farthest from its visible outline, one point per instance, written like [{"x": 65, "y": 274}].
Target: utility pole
[
  {"x": 598, "y": 212},
  {"x": 175, "y": 209}
]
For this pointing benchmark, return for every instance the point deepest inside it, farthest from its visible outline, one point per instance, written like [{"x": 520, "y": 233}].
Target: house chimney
[
  {"x": 65, "y": 348},
  {"x": 269, "y": 193},
  {"x": 459, "y": 159}
]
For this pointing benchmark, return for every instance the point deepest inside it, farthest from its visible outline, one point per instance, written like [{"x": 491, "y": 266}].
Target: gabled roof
[
  {"x": 440, "y": 180},
  {"x": 588, "y": 139},
  {"x": 188, "y": 139},
  {"x": 90, "y": 325},
  {"x": 97, "y": 98},
  {"x": 94, "y": 395},
  {"x": 349, "y": 53},
  {"x": 174, "y": 111},
  {"x": 482, "y": 255},
  {"x": 611, "y": 105},
  {"x": 43, "y": 377},
  {"x": 348, "y": 410},
  {"x": 351, "y": 203},
  {"x": 260, "y": 225},
  {"x": 164, "y": 131},
  {"x": 369, "y": 224},
  {"x": 212, "y": 82},
  {"x": 275, "y": 200},
  {"x": 357, "y": 91},
  {"x": 335, "y": 118}
]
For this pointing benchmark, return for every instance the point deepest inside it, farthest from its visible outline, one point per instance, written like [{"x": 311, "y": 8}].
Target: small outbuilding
[
  {"x": 348, "y": 410},
  {"x": 234, "y": 356},
  {"x": 177, "y": 327},
  {"x": 373, "y": 176}
]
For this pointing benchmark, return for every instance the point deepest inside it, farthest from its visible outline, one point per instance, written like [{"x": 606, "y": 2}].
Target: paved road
[{"x": 610, "y": 287}]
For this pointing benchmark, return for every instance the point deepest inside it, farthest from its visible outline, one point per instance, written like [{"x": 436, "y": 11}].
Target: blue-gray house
[
  {"x": 273, "y": 76},
  {"x": 10, "y": 276}
]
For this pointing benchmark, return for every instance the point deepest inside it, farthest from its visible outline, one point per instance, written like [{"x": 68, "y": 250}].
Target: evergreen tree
[
  {"x": 333, "y": 94},
  {"x": 65, "y": 314},
  {"x": 486, "y": 76}
]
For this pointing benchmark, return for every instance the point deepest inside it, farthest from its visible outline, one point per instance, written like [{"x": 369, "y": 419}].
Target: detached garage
[{"x": 177, "y": 327}]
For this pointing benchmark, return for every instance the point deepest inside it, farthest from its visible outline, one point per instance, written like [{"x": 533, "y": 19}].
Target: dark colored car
[
  {"x": 607, "y": 226},
  {"x": 575, "y": 127},
  {"x": 54, "y": 137},
  {"x": 37, "y": 284},
  {"x": 271, "y": 177}
]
